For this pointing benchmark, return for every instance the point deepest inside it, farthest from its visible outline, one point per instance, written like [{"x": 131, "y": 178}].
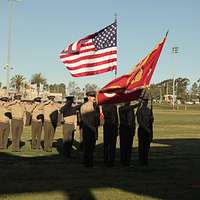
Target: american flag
[{"x": 93, "y": 54}]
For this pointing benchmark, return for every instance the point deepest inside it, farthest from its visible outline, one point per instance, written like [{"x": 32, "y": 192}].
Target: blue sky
[{"x": 42, "y": 28}]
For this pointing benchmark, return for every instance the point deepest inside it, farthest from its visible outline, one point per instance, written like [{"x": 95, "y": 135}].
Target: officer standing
[
  {"x": 36, "y": 123},
  {"x": 4, "y": 123},
  {"x": 69, "y": 121},
  {"x": 79, "y": 123},
  {"x": 18, "y": 111},
  {"x": 50, "y": 111},
  {"x": 145, "y": 131},
  {"x": 110, "y": 133},
  {"x": 126, "y": 132},
  {"x": 89, "y": 127}
]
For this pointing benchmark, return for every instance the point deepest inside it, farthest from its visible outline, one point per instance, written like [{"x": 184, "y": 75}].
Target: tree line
[
  {"x": 182, "y": 90},
  {"x": 19, "y": 83}
]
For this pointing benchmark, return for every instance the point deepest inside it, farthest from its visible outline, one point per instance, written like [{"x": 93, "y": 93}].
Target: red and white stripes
[{"x": 82, "y": 59}]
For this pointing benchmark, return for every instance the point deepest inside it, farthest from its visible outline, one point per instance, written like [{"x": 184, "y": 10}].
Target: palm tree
[
  {"x": 26, "y": 86},
  {"x": 17, "y": 81},
  {"x": 38, "y": 79}
]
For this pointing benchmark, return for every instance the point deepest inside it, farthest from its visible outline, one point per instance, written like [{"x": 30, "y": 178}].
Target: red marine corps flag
[
  {"x": 130, "y": 86},
  {"x": 93, "y": 54}
]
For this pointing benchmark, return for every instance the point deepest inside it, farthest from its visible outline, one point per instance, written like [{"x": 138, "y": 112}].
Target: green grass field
[{"x": 173, "y": 171}]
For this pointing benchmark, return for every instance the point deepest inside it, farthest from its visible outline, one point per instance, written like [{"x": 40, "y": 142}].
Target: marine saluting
[
  {"x": 50, "y": 112},
  {"x": 90, "y": 121},
  {"x": 69, "y": 122},
  {"x": 37, "y": 123},
  {"x": 5, "y": 117},
  {"x": 18, "y": 111}
]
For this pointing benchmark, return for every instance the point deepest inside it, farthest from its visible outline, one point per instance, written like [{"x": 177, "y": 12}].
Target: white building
[{"x": 30, "y": 92}]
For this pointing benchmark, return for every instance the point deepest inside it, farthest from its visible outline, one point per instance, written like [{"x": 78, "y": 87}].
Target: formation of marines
[{"x": 118, "y": 119}]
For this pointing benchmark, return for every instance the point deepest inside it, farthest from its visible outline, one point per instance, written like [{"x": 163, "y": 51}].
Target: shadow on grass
[{"x": 173, "y": 173}]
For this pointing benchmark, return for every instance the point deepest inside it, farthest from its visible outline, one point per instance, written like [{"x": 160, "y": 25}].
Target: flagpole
[
  {"x": 8, "y": 66},
  {"x": 116, "y": 41},
  {"x": 175, "y": 50}
]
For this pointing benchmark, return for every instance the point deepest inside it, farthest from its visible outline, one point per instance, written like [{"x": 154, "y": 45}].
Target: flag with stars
[{"x": 93, "y": 54}]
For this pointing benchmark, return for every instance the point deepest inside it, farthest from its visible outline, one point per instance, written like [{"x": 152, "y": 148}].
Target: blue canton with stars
[{"x": 106, "y": 38}]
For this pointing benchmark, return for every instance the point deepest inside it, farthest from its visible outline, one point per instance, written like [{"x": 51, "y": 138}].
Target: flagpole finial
[
  {"x": 167, "y": 32},
  {"x": 115, "y": 17},
  {"x": 115, "y": 72}
]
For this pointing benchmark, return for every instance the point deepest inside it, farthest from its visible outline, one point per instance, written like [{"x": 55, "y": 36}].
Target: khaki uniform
[
  {"x": 4, "y": 127},
  {"x": 79, "y": 123},
  {"x": 69, "y": 123},
  {"x": 18, "y": 112},
  {"x": 49, "y": 125},
  {"x": 27, "y": 119},
  {"x": 89, "y": 126},
  {"x": 59, "y": 105},
  {"x": 36, "y": 125}
]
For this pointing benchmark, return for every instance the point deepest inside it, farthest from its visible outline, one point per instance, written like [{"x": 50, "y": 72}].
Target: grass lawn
[{"x": 173, "y": 172}]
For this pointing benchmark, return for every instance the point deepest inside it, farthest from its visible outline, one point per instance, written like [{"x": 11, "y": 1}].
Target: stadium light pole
[
  {"x": 10, "y": 19},
  {"x": 175, "y": 50}
]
